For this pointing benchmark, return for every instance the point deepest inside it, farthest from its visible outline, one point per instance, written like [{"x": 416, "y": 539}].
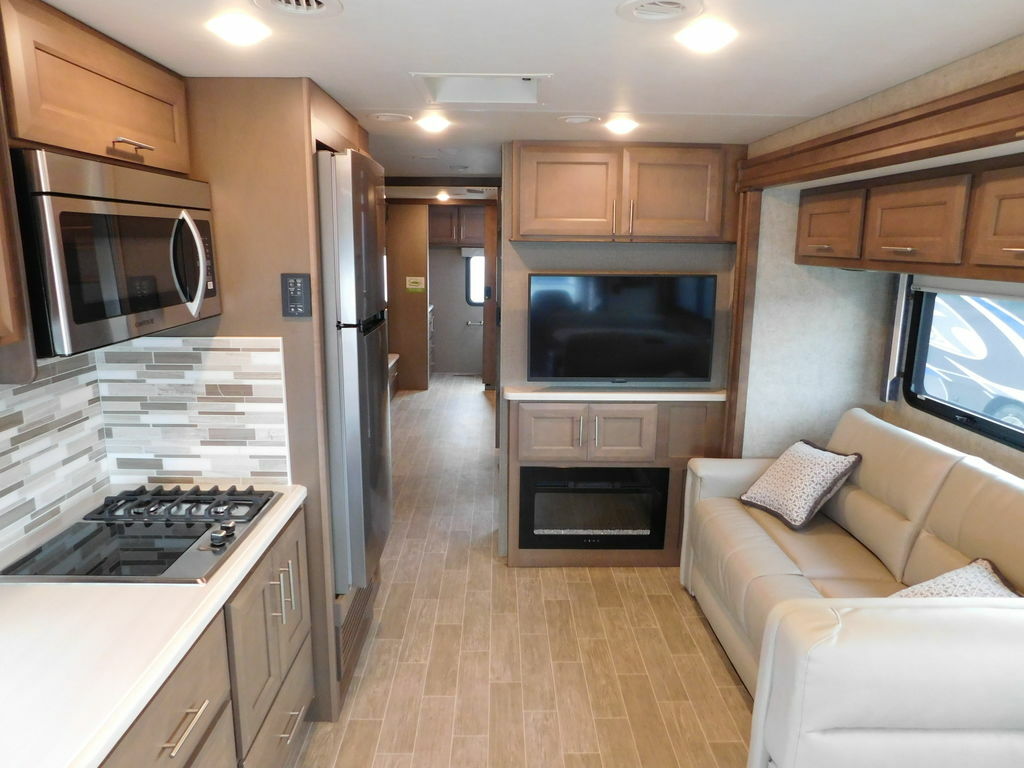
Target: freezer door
[
  {"x": 368, "y": 216},
  {"x": 375, "y": 416}
]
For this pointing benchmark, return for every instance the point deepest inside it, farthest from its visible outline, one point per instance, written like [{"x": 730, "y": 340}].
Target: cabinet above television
[{"x": 616, "y": 192}]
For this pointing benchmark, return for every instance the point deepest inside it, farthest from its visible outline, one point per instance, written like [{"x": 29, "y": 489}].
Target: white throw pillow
[
  {"x": 799, "y": 483},
  {"x": 977, "y": 579}
]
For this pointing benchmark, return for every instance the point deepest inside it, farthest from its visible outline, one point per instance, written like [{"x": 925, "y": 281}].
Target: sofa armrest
[
  {"x": 881, "y": 682},
  {"x": 712, "y": 479}
]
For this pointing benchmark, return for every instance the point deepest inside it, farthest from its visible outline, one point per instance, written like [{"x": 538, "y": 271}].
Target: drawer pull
[
  {"x": 579, "y": 443},
  {"x": 295, "y": 727},
  {"x": 133, "y": 143},
  {"x": 597, "y": 431},
  {"x": 821, "y": 247},
  {"x": 197, "y": 714},
  {"x": 898, "y": 249},
  {"x": 279, "y": 583},
  {"x": 1014, "y": 250}
]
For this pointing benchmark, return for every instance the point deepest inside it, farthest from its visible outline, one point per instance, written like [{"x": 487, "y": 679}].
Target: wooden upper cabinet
[
  {"x": 672, "y": 192},
  {"x": 69, "y": 86},
  {"x": 567, "y": 191},
  {"x": 830, "y": 225},
  {"x": 996, "y": 230},
  {"x": 457, "y": 225},
  {"x": 471, "y": 226},
  {"x": 918, "y": 221}
]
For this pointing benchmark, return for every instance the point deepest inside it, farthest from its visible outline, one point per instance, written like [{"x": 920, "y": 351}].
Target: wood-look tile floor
[{"x": 473, "y": 664}]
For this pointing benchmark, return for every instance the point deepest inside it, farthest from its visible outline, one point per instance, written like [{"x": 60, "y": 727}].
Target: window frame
[
  {"x": 469, "y": 270},
  {"x": 913, "y": 375}
]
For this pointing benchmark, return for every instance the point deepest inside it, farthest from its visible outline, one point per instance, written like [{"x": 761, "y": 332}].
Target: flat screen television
[{"x": 621, "y": 328}]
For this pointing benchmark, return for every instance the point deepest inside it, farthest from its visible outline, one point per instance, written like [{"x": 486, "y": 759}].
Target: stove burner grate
[{"x": 179, "y": 505}]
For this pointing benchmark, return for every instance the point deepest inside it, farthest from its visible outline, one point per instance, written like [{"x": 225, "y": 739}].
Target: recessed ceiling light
[
  {"x": 433, "y": 123},
  {"x": 442, "y": 196},
  {"x": 238, "y": 28},
  {"x": 706, "y": 35},
  {"x": 579, "y": 119},
  {"x": 659, "y": 10},
  {"x": 391, "y": 117},
  {"x": 621, "y": 125}
]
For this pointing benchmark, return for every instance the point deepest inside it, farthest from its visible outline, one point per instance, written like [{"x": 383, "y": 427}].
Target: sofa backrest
[
  {"x": 979, "y": 512},
  {"x": 884, "y": 503}
]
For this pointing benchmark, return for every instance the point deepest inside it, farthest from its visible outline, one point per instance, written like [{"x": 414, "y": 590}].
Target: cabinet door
[
  {"x": 830, "y": 224},
  {"x": 254, "y": 617},
  {"x": 552, "y": 431},
  {"x": 917, "y": 222},
  {"x": 626, "y": 432},
  {"x": 290, "y": 565},
  {"x": 218, "y": 750},
  {"x": 996, "y": 234},
  {"x": 173, "y": 725},
  {"x": 443, "y": 225},
  {"x": 567, "y": 191},
  {"x": 280, "y": 737},
  {"x": 72, "y": 87},
  {"x": 471, "y": 226},
  {"x": 672, "y": 192}
]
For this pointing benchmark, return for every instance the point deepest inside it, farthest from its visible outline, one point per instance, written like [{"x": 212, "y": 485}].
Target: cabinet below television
[{"x": 630, "y": 514}]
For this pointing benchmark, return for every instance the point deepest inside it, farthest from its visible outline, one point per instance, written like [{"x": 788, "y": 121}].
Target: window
[
  {"x": 475, "y": 280},
  {"x": 965, "y": 362}
]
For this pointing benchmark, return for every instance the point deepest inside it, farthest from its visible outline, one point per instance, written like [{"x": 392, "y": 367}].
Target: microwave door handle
[
  {"x": 196, "y": 304},
  {"x": 175, "y": 234}
]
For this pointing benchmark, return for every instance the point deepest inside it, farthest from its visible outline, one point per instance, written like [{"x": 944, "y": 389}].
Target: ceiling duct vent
[
  {"x": 660, "y": 10},
  {"x": 470, "y": 88},
  {"x": 318, "y": 8}
]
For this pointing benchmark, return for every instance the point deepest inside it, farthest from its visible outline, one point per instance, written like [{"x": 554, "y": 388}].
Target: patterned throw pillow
[
  {"x": 977, "y": 579},
  {"x": 799, "y": 483}
]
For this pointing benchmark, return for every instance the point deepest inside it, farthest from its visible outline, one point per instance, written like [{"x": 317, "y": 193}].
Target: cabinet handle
[
  {"x": 133, "y": 143},
  {"x": 279, "y": 583},
  {"x": 175, "y": 746},
  {"x": 291, "y": 585},
  {"x": 632, "y": 209},
  {"x": 821, "y": 247},
  {"x": 291, "y": 733},
  {"x": 615, "y": 217},
  {"x": 1014, "y": 250},
  {"x": 579, "y": 440},
  {"x": 898, "y": 249},
  {"x": 597, "y": 431}
]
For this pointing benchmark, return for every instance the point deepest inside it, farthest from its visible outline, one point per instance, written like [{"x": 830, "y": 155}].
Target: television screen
[{"x": 621, "y": 328}]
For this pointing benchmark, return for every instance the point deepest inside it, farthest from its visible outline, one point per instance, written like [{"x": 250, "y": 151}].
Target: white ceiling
[{"x": 793, "y": 59}]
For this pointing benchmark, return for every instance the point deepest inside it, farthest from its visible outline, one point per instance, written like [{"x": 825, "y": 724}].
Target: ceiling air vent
[
  {"x": 660, "y": 10},
  {"x": 318, "y": 8}
]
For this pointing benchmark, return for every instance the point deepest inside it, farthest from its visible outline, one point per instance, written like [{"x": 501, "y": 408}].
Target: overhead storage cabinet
[{"x": 69, "y": 86}]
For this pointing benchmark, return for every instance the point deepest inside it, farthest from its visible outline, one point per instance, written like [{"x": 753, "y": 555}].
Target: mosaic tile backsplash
[
  {"x": 52, "y": 452},
  {"x": 152, "y": 410}
]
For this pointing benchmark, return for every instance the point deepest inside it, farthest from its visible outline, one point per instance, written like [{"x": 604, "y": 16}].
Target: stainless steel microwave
[{"x": 113, "y": 252}]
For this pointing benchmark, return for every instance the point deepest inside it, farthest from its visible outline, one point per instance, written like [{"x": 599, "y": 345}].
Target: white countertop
[
  {"x": 79, "y": 662},
  {"x": 561, "y": 394}
]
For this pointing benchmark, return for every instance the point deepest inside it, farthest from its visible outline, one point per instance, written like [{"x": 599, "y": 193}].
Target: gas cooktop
[{"x": 158, "y": 534}]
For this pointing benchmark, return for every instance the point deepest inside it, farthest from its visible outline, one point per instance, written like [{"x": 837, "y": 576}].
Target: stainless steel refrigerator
[{"x": 351, "y": 188}]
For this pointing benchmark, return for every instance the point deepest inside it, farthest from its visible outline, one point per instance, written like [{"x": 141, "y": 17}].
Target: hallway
[{"x": 473, "y": 664}]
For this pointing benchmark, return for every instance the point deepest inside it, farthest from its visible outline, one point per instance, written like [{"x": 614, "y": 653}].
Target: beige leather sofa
[{"x": 842, "y": 676}]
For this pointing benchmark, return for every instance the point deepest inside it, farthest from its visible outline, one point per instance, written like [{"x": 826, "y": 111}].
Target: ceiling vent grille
[
  {"x": 319, "y": 8},
  {"x": 660, "y": 10}
]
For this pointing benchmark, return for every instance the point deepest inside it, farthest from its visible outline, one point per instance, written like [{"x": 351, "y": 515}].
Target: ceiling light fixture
[
  {"x": 238, "y": 28},
  {"x": 433, "y": 123},
  {"x": 579, "y": 119},
  {"x": 443, "y": 196},
  {"x": 706, "y": 35},
  {"x": 621, "y": 125}
]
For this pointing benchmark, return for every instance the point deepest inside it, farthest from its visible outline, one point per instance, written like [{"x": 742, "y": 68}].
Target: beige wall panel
[{"x": 407, "y": 310}]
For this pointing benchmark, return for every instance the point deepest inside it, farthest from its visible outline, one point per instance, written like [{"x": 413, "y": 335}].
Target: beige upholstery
[
  {"x": 841, "y": 676},
  {"x": 886, "y": 499}
]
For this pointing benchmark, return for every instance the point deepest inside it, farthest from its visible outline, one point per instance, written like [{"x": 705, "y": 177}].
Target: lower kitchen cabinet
[
  {"x": 281, "y": 733},
  {"x": 184, "y": 719},
  {"x": 267, "y": 625}
]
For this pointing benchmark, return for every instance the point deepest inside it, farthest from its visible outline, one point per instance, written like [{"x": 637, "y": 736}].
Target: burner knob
[
  {"x": 218, "y": 539},
  {"x": 228, "y": 528}
]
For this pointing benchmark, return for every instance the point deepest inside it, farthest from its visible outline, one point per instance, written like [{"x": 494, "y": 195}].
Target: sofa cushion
[
  {"x": 800, "y": 481},
  {"x": 976, "y": 579},
  {"x": 978, "y": 513},
  {"x": 885, "y": 501},
  {"x": 834, "y": 561}
]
